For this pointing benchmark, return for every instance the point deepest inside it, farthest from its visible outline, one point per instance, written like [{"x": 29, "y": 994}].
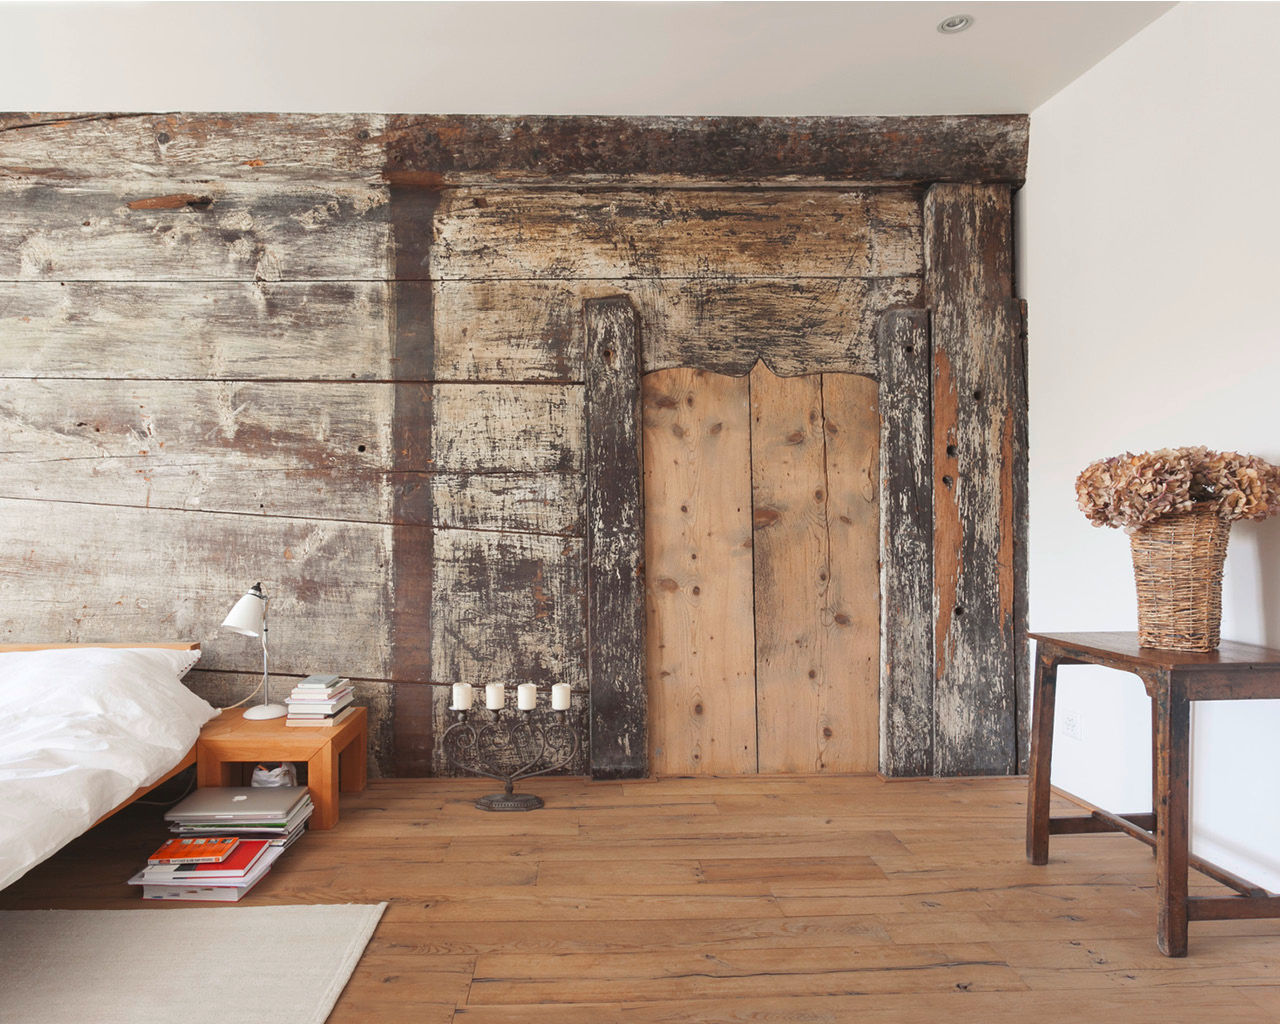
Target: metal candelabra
[{"x": 526, "y": 743}]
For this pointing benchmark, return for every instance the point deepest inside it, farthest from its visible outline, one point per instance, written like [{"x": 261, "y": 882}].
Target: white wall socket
[{"x": 1073, "y": 724}]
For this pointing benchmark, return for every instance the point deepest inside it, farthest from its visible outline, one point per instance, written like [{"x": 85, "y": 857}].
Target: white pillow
[{"x": 138, "y": 689}]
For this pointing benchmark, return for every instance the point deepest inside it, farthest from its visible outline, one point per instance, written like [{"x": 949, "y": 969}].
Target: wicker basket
[{"x": 1177, "y": 568}]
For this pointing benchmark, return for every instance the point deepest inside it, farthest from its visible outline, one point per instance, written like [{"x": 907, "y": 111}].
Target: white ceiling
[{"x": 553, "y": 57}]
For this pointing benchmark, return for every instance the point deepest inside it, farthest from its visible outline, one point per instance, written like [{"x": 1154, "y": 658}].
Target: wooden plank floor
[{"x": 811, "y": 900}]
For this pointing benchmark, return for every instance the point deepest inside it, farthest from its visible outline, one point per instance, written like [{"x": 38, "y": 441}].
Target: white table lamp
[{"x": 249, "y": 618}]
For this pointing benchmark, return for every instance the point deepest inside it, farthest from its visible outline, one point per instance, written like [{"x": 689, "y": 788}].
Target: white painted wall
[{"x": 1148, "y": 240}]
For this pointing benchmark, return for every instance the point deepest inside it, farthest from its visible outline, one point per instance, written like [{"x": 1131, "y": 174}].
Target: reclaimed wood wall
[{"x": 348, "y": 355}]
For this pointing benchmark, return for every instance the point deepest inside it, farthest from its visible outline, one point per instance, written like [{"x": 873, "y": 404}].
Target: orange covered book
[{"x": 203, "y": 850}]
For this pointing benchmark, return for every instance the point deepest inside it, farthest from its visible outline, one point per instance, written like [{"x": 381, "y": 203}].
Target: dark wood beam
[{"x": 448, "y": 149}]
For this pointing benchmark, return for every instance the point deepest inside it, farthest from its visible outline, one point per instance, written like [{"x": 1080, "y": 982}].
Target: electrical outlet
[{"x": 1073, "y": 724}]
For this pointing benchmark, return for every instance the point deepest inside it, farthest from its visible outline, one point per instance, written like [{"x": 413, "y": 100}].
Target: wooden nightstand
[{"x": 335, "y": 755}]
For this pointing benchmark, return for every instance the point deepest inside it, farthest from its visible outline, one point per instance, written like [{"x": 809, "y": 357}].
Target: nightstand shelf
[{"x": 335, "y": 755}]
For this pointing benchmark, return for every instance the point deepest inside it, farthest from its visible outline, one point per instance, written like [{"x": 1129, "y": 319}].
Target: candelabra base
[{"x": 509, "y": 802}]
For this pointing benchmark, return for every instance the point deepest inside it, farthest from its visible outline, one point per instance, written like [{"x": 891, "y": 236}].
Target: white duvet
[{"x": 80, "y": 730}]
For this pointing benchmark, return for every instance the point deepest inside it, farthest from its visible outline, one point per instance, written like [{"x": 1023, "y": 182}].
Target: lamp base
[{"x": 261, "y": 711}]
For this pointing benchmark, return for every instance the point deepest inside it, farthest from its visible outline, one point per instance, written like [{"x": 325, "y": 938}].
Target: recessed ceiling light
[{"x": 956, "y": 23}]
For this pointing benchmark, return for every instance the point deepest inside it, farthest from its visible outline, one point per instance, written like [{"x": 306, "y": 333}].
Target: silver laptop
[{"x": 238, "y": 803}]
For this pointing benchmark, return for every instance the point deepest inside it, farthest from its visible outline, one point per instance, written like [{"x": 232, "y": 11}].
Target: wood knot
[
  {"x": 667, "y": 584},
  {"x": 697, "y": 709},
  {"x": 795, "y": 437},
  {"x": 765, "y": 516},
  {"x": 826, "y": 732}
]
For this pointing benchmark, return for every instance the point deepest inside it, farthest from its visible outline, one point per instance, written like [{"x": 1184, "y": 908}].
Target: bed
[{"x": 84, "y": 731}]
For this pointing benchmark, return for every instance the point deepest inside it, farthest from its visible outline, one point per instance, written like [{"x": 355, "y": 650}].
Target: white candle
[
  {"x": 495, "y": 695},
  {"x": 526, "y": 696},
  {"x": 560, "y": 697},
  {"x": 462, "y": 697}
]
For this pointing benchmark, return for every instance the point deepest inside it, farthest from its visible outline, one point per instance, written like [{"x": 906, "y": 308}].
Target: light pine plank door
[
  {"x": 850, "y": 704},
  {"x": 700, "y": 658},
  {"x": 792, "y": 573},
  {"x": 762, "y": 553}
]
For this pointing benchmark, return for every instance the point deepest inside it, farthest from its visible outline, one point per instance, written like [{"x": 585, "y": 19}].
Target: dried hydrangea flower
[{"x": 1130, "y": 490}]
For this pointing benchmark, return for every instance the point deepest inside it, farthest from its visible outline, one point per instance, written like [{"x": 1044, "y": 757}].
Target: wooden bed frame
[{"x": 188, "y": 759}]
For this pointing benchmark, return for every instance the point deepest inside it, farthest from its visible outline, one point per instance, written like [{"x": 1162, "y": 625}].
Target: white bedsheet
[{"x": 80, "y": 730}]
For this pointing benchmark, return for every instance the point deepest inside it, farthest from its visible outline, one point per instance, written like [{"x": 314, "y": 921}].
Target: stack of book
[
  {"x": 220, "y": 869},
  {"x": 228, "y": 838},
  {"x": 320, "y": 700}
]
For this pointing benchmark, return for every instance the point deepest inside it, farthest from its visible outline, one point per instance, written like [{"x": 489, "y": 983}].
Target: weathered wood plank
[
  {"x": 550, "y": 503},
  {"x": 1014, "y": 470},
  {"x": 533, "y": 330},
  {"x": 317, "y": 451},
  {"x": 88, "y": 572},
  {"x": 805, "y": 720},
  {"x": 562, "y": 235},
  {"x": 700, "y": 630},
  {"x": 194, "y": 146},
  {"x": 412, "y": 539},
  {"x": 976, "y": 326},
  {"x": 530, "y": 428},
  {"x": 508, "y": 607},
  {"x": 906, "y": 568},
  {"x": 222, "y": 689},
  {"x": 792, "y": 570},
  {"x": 615, "y": 542},
  {"x": 214, "y": 231},
  {"x": 306, "y": 450},
  {"x": 209, "y": 330},
  {"x": 460, "y": 148},
  {"x": 851, "y": 704}
]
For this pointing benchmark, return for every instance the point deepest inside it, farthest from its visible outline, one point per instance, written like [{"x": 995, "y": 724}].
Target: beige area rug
[{"x": 230, "y": 965}]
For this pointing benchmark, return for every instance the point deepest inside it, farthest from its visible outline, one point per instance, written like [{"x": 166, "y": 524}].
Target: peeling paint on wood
[
  {"x": 976, "y": 330},
  {"x": 545, "y": 502},
  {"x": 906, "y": 545},
  {"x": 232, "y": 232},
  {"x": 205, "y": 330},
  {"x": 259, "y": 449},
  {"x": 530, "y": 428},
  {"x": 459, "y": 148},
  {"x": 615, "y": 543},
  {"x": 533, "y": 330},
  {"x": 203, "y": 147},
  {"x": 507, "y": 607},
  {"x": 561, "y": 235}
]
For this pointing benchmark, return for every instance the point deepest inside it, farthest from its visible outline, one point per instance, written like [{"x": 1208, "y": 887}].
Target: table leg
[
  {"x": 1173, "y": 733},
  {"x": 352, "y": 769},
  {"x": 212, "y": 772},
  {"x": 1042, "y": 700},
  {"x": 322, "y": 781},
  {"x": 1155, "y": 766}
]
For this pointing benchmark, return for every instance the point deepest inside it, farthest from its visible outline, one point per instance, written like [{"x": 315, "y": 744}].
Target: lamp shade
[{"x": 246, "y": 616}]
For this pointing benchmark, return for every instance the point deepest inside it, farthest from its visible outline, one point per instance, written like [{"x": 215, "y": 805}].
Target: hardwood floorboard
[{"x": 778, "y": 899}]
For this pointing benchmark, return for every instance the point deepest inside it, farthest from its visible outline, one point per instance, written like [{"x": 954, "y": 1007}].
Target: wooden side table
[
  {"x": 335, "y": 755},
  {"x": 1173, "y": 680}
]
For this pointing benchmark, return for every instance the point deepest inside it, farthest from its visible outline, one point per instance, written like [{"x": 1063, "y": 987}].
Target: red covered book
[
  {"x": 238, "y": 862},
  {"x": 204, "y": 850}
]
